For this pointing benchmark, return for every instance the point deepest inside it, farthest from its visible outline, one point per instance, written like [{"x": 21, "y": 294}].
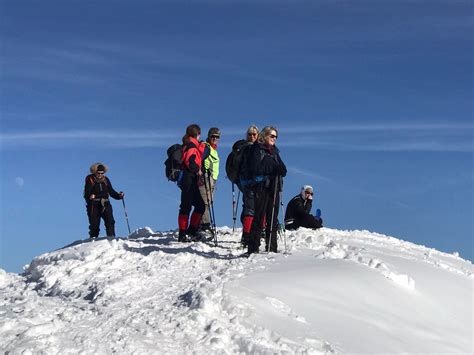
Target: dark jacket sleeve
[
  {"x": 281, "y": 166},
  {"x": 301, "y": 207},
  {"x": 114, "y": 194},
  {"x": 88, "y": 187},
  {"x": 266, "y": 164},
  {"x": 307, "y": 207},
  {"x": 193, "y": 166}
]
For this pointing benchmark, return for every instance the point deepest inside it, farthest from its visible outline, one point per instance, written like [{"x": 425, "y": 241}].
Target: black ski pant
[
  {"x": 266, "y": 218},
  {"x": 95, "y": 211},
  {"x": 189, "y": 198},
  {"x": 305, "y": 221}
]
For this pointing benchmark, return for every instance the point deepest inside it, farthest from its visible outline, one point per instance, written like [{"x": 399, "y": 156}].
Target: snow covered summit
[{"x": 330, "y": 292}]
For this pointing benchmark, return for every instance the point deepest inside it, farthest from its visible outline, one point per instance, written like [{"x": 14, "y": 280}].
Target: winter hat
[
  {"x": 214, "y": 131},
  {"x": 306, "y": 188},
  {"x": 98, "y": 167}
]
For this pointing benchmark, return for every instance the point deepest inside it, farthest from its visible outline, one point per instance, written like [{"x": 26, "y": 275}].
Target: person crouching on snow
[
  {"x": 298, "y": 211},
  {"x": 97, "y": 190}
]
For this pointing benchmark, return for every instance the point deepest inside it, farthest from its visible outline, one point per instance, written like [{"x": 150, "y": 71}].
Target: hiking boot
[
  {"x": 205, "y": 227},
  {"x": 245, "y": 239},
  {"x": 182, "y": 237}
]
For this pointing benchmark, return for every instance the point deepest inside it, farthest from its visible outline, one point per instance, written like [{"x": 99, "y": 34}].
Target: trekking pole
[
  {"x": 273, "y": 213},
  {"x": 126, "y": 215},
  {"x": 213, "y": 219},
  {"x": 236, "y": 208},
  {"x": 234, "y": 211},
  {"x": 208, "y": 202},
  {"x": 282, "y": 213}
]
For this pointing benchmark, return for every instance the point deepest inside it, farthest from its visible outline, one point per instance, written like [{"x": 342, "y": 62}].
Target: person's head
[
  {"x": 99, "y": 169},
  {"x": 252, "y": 133},
  {"x": 268, "y": 136},
  {"x": 193, "y": 131},
  {"x": 307, "y": 192},
  {"x": 213, "y": 135}
]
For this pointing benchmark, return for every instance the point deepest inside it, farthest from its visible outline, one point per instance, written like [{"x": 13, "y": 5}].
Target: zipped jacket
[
  {"x": 211, "y": 163},
  {"x": 261, "y": 165},
  {"x": 192, "y": 162},
  {"x": 297, "y": 208},
  {"x": 100, "y": 188}
]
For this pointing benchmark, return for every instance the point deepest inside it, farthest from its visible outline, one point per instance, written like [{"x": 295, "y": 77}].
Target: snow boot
[{"x": 182, "y": 237}]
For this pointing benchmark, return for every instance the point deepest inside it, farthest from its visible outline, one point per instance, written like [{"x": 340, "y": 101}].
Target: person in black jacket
[
  {"x": 262, "y": 171},
  {"x": 298, "y": 211},
  {"x": 97, "y": 190}
]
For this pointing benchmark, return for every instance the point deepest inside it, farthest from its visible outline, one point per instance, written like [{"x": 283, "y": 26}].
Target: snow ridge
[{"x": 150, "y": 294}]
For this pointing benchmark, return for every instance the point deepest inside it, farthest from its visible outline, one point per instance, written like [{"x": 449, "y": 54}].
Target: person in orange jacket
[{"x": 193, "y": 156}]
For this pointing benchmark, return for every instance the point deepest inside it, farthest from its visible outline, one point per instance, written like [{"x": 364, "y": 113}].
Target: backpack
[
  {"x": 174, "y": 163},
  {"x": 232, "y": 164}
]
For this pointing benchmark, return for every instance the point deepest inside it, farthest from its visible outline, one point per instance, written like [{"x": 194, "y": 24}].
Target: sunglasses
[
  {"x": 215, "y": 136},
  {"x": 273, "y": 136},
  {"x": 100, "y": 173},
  {"x": 308, "y": 193},
  {"x": 252, "y": 134}
]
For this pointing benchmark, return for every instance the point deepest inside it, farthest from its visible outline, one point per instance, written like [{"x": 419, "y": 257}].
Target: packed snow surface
[{"x": 325, "y": 292}]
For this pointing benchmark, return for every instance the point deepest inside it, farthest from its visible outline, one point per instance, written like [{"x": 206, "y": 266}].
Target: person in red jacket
[
  {"x": 97, "y": 190},
  {"x": 193, "y": 151}
]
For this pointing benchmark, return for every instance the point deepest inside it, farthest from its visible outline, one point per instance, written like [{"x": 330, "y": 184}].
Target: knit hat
[
  {"x": 214, "y": 131},
  {"x": 100, "y": 168}
]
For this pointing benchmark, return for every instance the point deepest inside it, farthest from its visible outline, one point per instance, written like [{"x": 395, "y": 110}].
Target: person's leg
[
  {"x": 248, "y": 214},
  {"x": 93, "y": 212},
  {"x": 183, "y": 216},
  {"x": 310, "y": 221},
  {"x": 271, "y": 244},
  {"x": 258, "y": 221},
  {"x": 204, "y": 191},
  {"x": 109, "y": 221},
  {"x": 199, "y": 208}
]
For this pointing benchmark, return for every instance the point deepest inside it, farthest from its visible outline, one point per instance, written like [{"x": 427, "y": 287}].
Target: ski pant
[
  {"x": 265, "y": 218},
  {"x": 248, "y": 213},
  {"x": 189, "y": 198},
  {"x": 305, "y": 221},
  {"x": 207, "y": 193},
  {"x": 95, "y": 211}
]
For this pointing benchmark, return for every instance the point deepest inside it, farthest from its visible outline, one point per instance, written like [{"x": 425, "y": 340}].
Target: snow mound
[{"x": 327, "y": 291}]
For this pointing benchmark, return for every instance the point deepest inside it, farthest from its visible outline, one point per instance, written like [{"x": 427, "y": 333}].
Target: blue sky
[{"x": 373, "y": 102}]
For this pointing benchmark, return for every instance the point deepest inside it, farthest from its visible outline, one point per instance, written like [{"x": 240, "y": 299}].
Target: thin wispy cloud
[
  {"x": 307, "y": 173},
  {"x": 369, "y": 138},
  {"x": 308, "y": 128},
  {"x": 112, "y": 139}
]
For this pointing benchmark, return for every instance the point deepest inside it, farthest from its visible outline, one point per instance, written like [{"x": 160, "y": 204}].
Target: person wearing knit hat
[
  {"x": 210, "y": 174},
  {"x": 298, "y": 211},
  {"x": 97, "y": 190}
]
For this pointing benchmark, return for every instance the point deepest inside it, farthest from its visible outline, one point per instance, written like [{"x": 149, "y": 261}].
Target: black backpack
[
  {"x": 173, "y": 164},
  {"x": 232, "y": 164}
]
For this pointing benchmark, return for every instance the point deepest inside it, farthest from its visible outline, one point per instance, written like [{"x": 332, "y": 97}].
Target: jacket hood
[{"x": 94, "y": 166}]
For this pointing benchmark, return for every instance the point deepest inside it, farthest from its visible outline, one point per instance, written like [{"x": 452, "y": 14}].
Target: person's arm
[
  {"x": 89, "y": 184},
  {"x": 300, "y": 208},
  {"x": 114, "y": 194}
]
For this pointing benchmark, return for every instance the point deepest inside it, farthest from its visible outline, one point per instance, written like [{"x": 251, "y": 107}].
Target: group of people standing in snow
[{"x": 256, "y": 169}]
